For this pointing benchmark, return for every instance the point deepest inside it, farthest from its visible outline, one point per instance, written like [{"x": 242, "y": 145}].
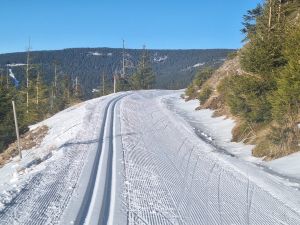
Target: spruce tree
[{"x": 144, "y": 77}]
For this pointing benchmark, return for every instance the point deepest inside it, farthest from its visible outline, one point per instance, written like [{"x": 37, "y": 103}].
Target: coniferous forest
[
  {"x": 174, "y": 69},
  {"x": 265, "y": 97}
]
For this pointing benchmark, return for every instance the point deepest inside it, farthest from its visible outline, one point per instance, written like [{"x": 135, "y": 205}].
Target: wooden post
[
  {"x": 115, "y": 82},
  {"x": 17, "y": 129}
]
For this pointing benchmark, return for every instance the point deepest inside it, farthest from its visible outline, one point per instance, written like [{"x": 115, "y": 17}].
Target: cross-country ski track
[{"x": 133, "y": 158}]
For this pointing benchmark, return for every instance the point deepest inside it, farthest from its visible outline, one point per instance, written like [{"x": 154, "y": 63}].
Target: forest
[
  {"x": 174, "y": 69},
  {"x": 265, "y": 98}
]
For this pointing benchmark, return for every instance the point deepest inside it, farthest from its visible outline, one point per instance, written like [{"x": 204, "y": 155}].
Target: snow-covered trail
[
  {"x": 173, "y": 177},
  {"x": 131, "y": 159},
  {"x": 65, "y": 188}
]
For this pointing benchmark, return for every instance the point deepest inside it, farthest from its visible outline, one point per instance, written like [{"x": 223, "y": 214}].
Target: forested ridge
[
  {"x": 264, "y": 95},
  {"x": 45, "y": 82},
  {"x": 173, "y": 68}
]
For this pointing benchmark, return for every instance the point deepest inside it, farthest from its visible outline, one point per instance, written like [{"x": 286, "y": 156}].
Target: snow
[
  {"x": 95, "y": 90},
  {"x": 57, "y": 159},
  {"x": 213, "y": 128},
  {"x": 95, "y": 53},
  {"x": 174, "y": 177},
  {"x": 170, "y": 164},
  {"x": 218, "y": 130},
  {"x": 99, "y": 54},
  {"x": 288, "y": 165},
  {"x": 15, "y": 64},
  {"x": 198, "y": 65},
  {"x": 160, "y": 58},
  {"x": 11, "y": 74},
  {"x": 63, "y": 127}
]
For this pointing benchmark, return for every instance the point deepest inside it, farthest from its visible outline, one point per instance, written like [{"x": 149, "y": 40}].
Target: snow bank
[
  {"x": 217, "y": 130},
  {"x": 64, "y": 127}
]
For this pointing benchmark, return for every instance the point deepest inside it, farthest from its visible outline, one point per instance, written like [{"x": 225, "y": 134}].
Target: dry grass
[{"x": 28, "y": 140}]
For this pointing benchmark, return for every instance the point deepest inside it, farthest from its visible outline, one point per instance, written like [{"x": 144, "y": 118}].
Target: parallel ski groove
[{"x": 85, "y": 206}]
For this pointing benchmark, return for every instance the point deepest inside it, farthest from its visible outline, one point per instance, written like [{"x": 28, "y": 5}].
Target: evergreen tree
[
  {"x": 262, "y": 55},
  {"x": 286, "y": 99},
  {"x": 123, "y": 84},
  {"x": 249, "y": 22},
  {"x": 41, "y": 97},
  {"x": 144, "y": 77},
  {"x": 6, "y": 119}
]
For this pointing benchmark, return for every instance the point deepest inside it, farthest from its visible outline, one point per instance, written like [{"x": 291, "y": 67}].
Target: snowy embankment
[
  {"x": 64, "y": 126},
  {"x": 48, "y": 175},
  {"x": 175, "y": 177},
  {"x": 217, "y": 130}
]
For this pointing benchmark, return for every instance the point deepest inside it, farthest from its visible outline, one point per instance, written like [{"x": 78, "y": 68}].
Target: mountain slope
[{"x": 174, "y": 68}]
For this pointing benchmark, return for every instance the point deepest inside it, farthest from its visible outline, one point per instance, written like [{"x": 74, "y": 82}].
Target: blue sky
[{"x": 160, "y": 24}]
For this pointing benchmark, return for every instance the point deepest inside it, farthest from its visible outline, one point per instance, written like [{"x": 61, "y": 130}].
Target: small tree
[
  {"x": 204, "y": 94},
  {"x": 144, "y": 77},
  {"x": 285, "y": 99}
]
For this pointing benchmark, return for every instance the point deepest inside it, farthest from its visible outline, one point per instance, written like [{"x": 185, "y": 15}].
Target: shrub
[
  {"x": 204, "y": 94},
  {"x": 246, "y": 97},
  {"x": 232, "y": 55}
]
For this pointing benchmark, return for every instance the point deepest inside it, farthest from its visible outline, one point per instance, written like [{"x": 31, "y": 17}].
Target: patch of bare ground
[
  {"x": 30, "y": 139},
  {"x": 216, "y": 101}
]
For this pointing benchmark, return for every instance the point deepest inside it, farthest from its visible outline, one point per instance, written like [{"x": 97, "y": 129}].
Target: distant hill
[{"x": 174, "y": 68}]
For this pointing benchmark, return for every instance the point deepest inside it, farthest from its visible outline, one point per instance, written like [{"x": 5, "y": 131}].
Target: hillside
[
  {"x": 173, "y": 68},
  {"x": 259, "y": 85}
]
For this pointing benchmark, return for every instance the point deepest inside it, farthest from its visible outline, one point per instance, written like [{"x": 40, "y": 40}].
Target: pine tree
[
  {"x": 144, "y": 77},
  {"x": 286, "y": 99},
  {"x": 262, "y": 55},
  {"x": 249, "y": 22},
  {"x": 41, "y": 97},
  {"x": 6, "y": 119}
]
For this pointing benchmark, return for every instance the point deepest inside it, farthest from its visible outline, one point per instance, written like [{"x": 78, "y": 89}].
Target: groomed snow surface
[{"x": 146, "y": 157}]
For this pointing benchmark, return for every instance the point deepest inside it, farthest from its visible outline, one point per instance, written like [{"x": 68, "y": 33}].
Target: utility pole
[
  {"x": 27, "y": 77},
  {"x": 17, "y": 129},
  {"x": 115, "y": 82}
]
